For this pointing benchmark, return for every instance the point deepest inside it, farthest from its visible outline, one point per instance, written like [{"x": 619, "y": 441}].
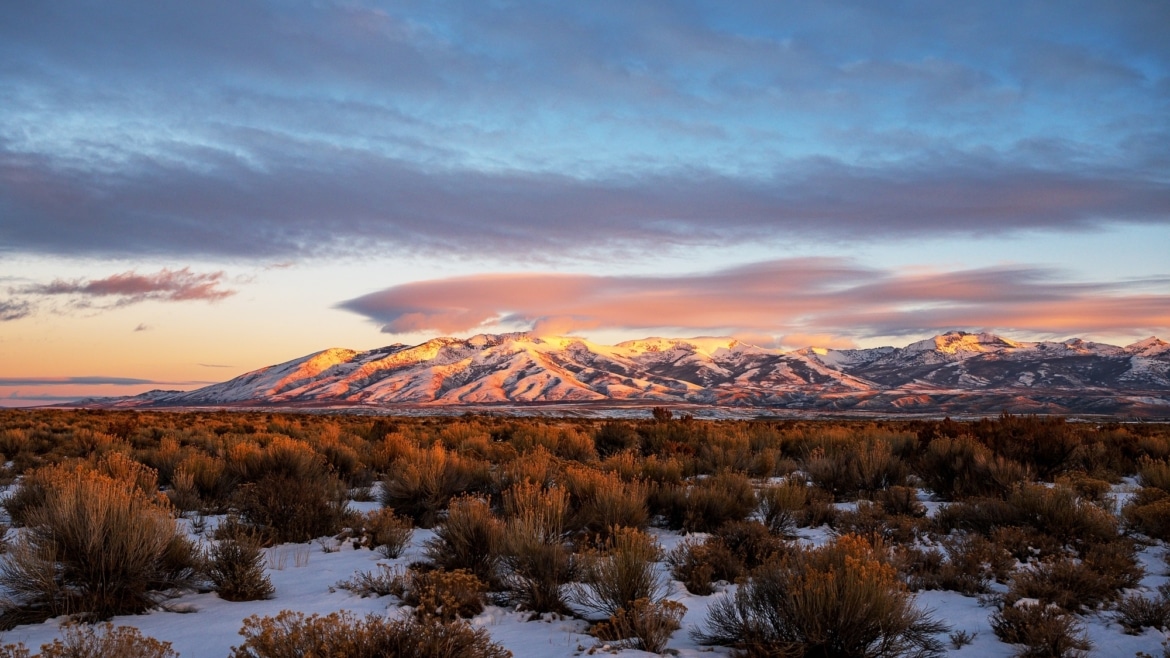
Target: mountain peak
[
  {"x": 963, "y": 343},
  {"x": 1151, "y": 346}
]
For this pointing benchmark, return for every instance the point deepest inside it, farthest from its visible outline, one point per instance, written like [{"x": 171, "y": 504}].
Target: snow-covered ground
[{"x": 305, "y": 578}]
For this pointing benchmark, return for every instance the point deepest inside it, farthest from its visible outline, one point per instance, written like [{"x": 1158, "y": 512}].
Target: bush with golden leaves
[
  {"x": 105, "y": 641},
  {"x": 643, "y": 625},
  {"x": 342, "y": 635}
]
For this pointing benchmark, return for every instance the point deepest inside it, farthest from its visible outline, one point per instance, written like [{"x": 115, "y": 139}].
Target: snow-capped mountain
[{"x": 955, "y": 372}]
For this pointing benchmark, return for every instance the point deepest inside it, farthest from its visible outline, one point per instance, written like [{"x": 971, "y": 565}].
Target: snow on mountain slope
[{"x": 524, "y": 368}]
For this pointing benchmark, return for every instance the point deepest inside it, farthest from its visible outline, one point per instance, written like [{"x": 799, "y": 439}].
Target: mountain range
[{"x": 956, "y": 373}]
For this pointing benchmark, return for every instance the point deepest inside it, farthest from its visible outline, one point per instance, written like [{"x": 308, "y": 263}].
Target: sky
[{"x": 190, "y": 191}]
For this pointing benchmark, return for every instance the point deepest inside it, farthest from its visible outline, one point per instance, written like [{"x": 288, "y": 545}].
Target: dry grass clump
[
  {"x": 236, "y": 571},
  {"x": 93, "y": 546},
  {"x": 842, "y": 599},
  {"x": 105, "y": 641},
  {"x": 1042, "y": 631},
  {"x": 342, "y": 635}
]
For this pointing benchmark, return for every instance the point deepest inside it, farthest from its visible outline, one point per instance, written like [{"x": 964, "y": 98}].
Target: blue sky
[{"x": 305, "y": 155}]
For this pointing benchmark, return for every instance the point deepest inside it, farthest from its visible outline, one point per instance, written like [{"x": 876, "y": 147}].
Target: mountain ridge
[{"x": 955, "y": 372}]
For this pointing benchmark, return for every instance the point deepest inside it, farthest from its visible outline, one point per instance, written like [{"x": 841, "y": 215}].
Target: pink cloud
[
  {"x": 131, "y": 287},
  {"x": 829, "y": 300}
]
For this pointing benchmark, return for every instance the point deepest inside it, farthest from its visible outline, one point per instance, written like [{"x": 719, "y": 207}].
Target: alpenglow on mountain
[{"x": 955, "y": 373}]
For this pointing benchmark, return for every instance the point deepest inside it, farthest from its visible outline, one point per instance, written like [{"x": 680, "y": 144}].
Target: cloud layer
[
  {"x": 237, "y": 129},
  {"x": 794, "y": 297}
]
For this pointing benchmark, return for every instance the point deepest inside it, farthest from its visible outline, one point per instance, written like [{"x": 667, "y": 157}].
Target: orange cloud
[{"x": 820, "y": 300}]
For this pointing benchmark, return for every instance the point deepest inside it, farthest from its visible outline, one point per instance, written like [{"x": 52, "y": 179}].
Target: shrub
[
  {"x": 236, "y": 570},
  {"x": 289, "y": 509},
  {"x": 841, "y": 599},
  {"x": 900, "y": 501},
  {"x": 644, "y": 625},
  {"x": 1135, "y": 612},
  {"x": 602, "y": 501},
  {"x": 856, "y": 467},
  {"x": 533, "y": 550},
  {"x": 386, "y": 581},
  {"x": 444, "y": 594},
  {"x": 1154, "y": 473},
  {"x": 967, "y": 564},
  {"x": 422, "y": 482},
  {"x": 715, "y": 500},
  {"x": 1149, "y": 513},
  {"x": 698, "y": 563},
  {"x": 108, "y": 642},
  {"x": 388, "y": 533},
  {"x": 1064, "y": 582},
  {"x": 781, "y": 505},
  {"x": 615, "y": 436},
  {"x": 96, "y": 547},
  {"x": 621, "y": 574},
  {"x": 1055, "y": 512},
  {"x": 955, "y": 468},
  {"x": 105, "y": 641},
  {"x": 874, "y": 523},
  {"x": 470, "y": 538},
  {"x": 1043, "y": 631},
  {"x": 341, "y": 635},
  {"x": 749, "y": 541}
]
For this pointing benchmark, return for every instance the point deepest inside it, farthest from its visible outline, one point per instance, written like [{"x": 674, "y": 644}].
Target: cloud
[
  {"x": 215, "y": 365},
  {"x": 835, "y": 300},
  {"x": 132, "y": 288},
  {"x": 360, "y": 201},
  {"x": 88, "y": 381},
  {"x": 142, "y": 326},
  {"x": 116, "y": 291},
  {"x": 234, "y": 129},
  {"x": 14, "y": 309}
]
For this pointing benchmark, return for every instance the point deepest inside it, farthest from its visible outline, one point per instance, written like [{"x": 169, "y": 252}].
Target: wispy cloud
[
  {"x": 794, "y": 297},
  {"x": 96, "y": 380},
  {"x": 14, "y": 309},
  {"x": 132, "y": 288},
  {"x": 115, "y": 291}
]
